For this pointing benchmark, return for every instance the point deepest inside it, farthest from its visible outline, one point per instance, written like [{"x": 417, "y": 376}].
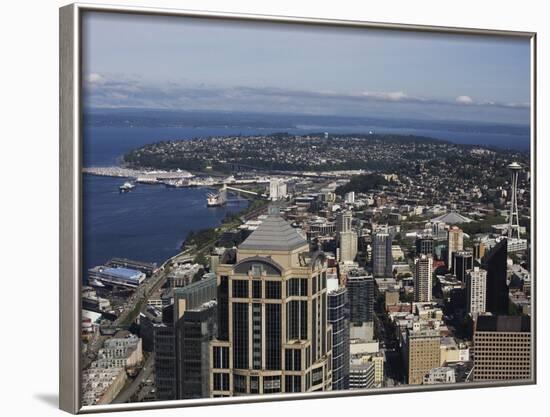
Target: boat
[
  {"x": 216, "y": 200},
  {"x": 126, "y": 187}
]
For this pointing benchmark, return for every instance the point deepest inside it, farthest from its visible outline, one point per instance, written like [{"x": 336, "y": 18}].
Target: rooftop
[
  {"x": 121, "y": 272},
  {"x": 275, "y": 233},
  {"x": 503, "y": 324},
  {"x": 452, "y": 217}
]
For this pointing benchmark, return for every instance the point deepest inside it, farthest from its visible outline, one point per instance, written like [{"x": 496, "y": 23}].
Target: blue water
[
  {"x": 104, "y": 146},
  {"x": 146, "y": 224}
]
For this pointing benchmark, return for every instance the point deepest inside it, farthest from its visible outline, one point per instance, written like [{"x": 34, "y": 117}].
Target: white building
[
  {"x": 182, "y": 275},
  {"x": 443, "y": 375},
  {"x": 476, "y": 289},
  {"x": 120, "y": 352},
  {"x": 348, "y": 246},
  {"x": 347, "y": 237},
  {"x": 516, "y": 245},
  {"x": 101, "y": 386},
  {"x": 277, "y": 189},
  {"x": 423, "y": 279},
  {"x": 349, "y": 198}
]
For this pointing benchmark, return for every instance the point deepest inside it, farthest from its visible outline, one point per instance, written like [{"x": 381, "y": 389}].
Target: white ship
[
  {"x": 216, "y": 200},
  {"x": 126, "y": 187}
]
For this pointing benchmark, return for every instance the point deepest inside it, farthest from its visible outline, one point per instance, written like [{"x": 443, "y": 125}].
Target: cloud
[
  {"x": 464, "y": 100},
  {"x": 389, "y": 96},
  {"x": 101, "y": 90},
  {"x": 95, "y": 78}
]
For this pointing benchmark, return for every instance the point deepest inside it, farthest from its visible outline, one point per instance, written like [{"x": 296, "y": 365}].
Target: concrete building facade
[
  {"x": 476, "y": 291},
  {"x": 423, "y": 279},
  {"x": 421, "y": 353},
  {"x": 502, "y": 348}
]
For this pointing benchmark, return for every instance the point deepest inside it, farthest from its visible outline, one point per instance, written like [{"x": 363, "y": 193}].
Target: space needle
[{"x": 513, "y": 223}]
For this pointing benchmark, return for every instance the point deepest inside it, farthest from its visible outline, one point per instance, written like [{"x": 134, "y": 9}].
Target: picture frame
[{"x": 71, "y": 201}]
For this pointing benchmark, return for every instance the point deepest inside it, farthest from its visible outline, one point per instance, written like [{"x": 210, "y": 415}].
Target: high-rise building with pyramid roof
[{"x": 273, "y": 331}]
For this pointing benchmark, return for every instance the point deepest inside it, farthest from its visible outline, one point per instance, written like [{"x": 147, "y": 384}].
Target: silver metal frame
[{"x": 71, "y": 187}]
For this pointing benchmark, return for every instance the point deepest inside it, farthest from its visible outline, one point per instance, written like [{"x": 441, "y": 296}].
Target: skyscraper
[
  {"x": 197, "y": 328},
  {"x": 476, "y": 291},
  {"x": 455, "y": 242},
  {"x": 382, "y": 260},
  {"x": 462, "y": 262},
  {"x": 348, "y": 246},
  {"x": 360, "y": 287},
  {"x": 425, "y": 245},
  {"x": 502, "y": 348},
  {"x": 181, "y": 342},
  {"x": 343, "y": 221},
  {"x": 347, "y": 237},
  {"x": 495, "y": 263},
  {"x": 339, "y": 320},
  {"x": 423, "y": 278},
  {"x": 165, "y": 357},
  {"x": 273, "y": 331}
]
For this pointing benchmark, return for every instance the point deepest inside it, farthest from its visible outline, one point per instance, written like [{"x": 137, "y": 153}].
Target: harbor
[{"x": 148, "y": 223}]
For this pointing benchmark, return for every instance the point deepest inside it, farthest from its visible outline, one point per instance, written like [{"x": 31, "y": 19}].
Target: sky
[{"x": 183, "y": 63}]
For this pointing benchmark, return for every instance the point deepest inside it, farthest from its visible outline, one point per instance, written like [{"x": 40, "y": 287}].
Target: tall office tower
[
  {"x": 347, "y": 238},
  {"x": 476, "y": 290},
  {"x": 360, "y": 296},
  {"x": 421, "y": 350},
  {"x": 502, "y": 348},
  {"x": 425, "y": 245},
  {"x": 479, "y": 250},
  {"x": 513, "y": 222},
  {"x": 462, "y": 262},
  {"x": 382, "y": 260},
  {"x": 197, "y": 329},
  {"x": 423, "y": 278},
  {"x": 343, "y": 221},
  {"x": 348, "y": 246},
  {"x": 181, "y": 342},
  {"x": 273, "y": 331},
  {"x": 495, "y": 263},
  {"x": 455, "y": 242},
  {"x": 338, "y": 317},
  {"x": 164, "y": 345}
]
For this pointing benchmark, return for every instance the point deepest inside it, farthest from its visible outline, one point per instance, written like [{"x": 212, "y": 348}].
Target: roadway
[{"x": 128, "y": 391}]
